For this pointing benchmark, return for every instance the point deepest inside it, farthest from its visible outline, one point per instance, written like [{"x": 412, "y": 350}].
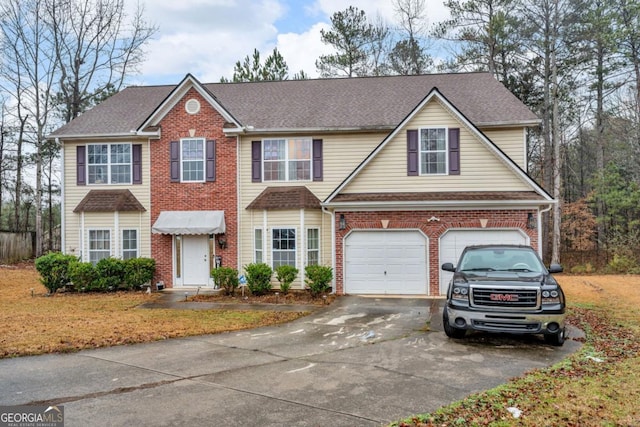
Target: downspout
[
  {"x": 540, "y": 228},
  {"x": 238, "y": 206},
  {"x": 333, "y": 245},
  {"x": 63, "y": 216}
]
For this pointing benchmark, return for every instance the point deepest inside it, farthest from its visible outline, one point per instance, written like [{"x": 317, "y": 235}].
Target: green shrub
[
  {"x": 82, "y": 275},
  {"x": 138, "y": 271},
  {"x": 318, "y": 278},
  {"x": 259, "y": 278},
  {"x": 622, "y": 264},
  {"x": 54, "y": 270},
  {"x": 226, "y": 278},
  {"x": 110, "y": 274},
  {"x": 285, "y": 275}
]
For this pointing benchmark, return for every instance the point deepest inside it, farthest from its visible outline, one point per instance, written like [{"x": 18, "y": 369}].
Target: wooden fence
[{"x": 16, "y": 247}]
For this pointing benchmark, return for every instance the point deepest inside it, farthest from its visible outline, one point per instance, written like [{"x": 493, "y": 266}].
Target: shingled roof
[
  {"x": 321, "y": 104},
  {"x": 438, "y": 196},
  {"x": 109, "y": 201},
  {"x": 274, "y": 198}
]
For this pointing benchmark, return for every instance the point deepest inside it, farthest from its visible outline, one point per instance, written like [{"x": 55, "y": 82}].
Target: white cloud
[
  {"x": 207, "y": 37},
  {"x": 301, "y": 50}
]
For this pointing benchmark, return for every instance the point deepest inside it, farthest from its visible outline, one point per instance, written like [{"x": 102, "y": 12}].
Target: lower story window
[
  {"x": 283, "y": 246},
  {"x": 257, "y": 246},
  {"x": 313, "y": 246},
  {"x": 99, "y": 245},
  {"x": 129, "y": 244}
]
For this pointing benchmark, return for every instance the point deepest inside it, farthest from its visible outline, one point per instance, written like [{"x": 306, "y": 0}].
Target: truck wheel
[
  {"x": 556, "y": 339},
  {"x": 451, "y": 331}
]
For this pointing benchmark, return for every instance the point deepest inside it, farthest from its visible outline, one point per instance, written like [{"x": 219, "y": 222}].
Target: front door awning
[{"x": 189, "y": 222}]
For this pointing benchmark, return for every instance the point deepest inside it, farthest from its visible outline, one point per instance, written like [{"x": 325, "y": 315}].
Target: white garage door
[
  {"x": 453, "y": 242},
  {"x": 386, "y": 262}
]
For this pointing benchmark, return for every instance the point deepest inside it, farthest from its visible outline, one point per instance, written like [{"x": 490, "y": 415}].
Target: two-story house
[{"x": 382, "y": 178}]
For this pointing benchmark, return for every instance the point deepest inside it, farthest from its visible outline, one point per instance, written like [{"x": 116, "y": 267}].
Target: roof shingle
[
  {"x": 328, "y": 104},
  {"x": 109, "y": 201},
  {"x": 437, "y": 196},
  {"x": 274, "y": 198}
]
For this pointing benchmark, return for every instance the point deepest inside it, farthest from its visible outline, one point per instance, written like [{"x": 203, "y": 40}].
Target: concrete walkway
[{"x": 358, "y": 362}]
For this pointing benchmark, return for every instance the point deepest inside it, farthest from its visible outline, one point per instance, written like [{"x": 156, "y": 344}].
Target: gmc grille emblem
[{"x": 504, "y": 297}]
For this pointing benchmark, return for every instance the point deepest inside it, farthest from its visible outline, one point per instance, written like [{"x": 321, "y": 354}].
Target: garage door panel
[
  {"x": 386, "y": 262},
  {"x": 453, "y": 243}
]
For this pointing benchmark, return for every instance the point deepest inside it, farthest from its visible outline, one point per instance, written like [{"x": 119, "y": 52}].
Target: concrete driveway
[{"x": 360, "y": 362}]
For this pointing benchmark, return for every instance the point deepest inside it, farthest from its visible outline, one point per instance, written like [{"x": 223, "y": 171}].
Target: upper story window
[
  {"x": 192, "y": 159},
  {"x": 109, "y": 163},
  {"x": 287, "y": 159},
  {"x": 433, "y": 151}
]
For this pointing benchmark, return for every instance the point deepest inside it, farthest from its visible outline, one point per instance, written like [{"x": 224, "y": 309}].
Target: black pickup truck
[{"x": 504, "y": 288}]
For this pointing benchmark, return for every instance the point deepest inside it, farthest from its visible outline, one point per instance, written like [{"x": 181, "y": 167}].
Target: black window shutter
[
  {"x": 256, "y": 161},
  {"x": 175, "y": 161},
  {"x": 317, "y": 160},
  {"x": 81, "y": 165},
  {"x": 454, "y": 151},
  {"x": 413, "y": 153},
  {"x": 136, "y": 154},
  {"x": 211, "y": 160}
]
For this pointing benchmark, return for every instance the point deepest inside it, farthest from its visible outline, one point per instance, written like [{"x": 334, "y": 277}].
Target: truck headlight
[{"x": 460, "y": 293}]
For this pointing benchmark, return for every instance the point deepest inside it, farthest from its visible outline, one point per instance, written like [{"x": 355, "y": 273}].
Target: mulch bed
[{"x": 274, "y": 297}]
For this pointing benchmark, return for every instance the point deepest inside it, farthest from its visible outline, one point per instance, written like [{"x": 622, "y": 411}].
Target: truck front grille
[{"x": 505, "y": 297}]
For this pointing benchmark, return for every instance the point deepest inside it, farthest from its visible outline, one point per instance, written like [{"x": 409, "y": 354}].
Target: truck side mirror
[
  {"x": 447, "y": 266},
  {"x": 555, "y": 268}
]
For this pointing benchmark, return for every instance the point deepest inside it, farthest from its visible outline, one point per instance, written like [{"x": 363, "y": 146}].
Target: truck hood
[{"x": 504, "y": 278}]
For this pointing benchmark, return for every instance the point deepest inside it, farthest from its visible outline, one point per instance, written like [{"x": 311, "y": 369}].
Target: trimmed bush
[
  {"x": 226, "y": 278},
  {"x": 259, "y": 278},
  {"x": 286, "y": 274},
  {"x": 82, "y": 275},
  {"x": 138, "y": 271},
  {"x": 54, "y": 270},
  {"x": 318, "y": 279},
  {"x": 110, "y": 272}
]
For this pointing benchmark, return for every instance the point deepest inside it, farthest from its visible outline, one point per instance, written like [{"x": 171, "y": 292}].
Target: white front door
[{"x": 195, "y": 260}]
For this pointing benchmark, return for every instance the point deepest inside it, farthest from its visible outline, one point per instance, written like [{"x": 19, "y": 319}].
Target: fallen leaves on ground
[
  {"x": 34, "y": 323},
  {"x": 599, "y": 385}
]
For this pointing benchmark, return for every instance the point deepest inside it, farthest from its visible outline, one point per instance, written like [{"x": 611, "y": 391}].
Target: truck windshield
[{"x": 501, "y": 259}]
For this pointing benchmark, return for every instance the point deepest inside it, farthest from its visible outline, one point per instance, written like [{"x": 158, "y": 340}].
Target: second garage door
[
  {"x": 453, "y": 242},
  {"x": 386, "y": 262}
]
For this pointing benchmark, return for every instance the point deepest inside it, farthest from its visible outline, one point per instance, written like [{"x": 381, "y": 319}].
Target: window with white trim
[
  {"x": 129, "y": 244},
  {"x": 109, "y": 163},
  {"x": 192, "y": 152},
  {"x": 283, "y": 242},
  {"x": 258, "y": 246},
  {"x": 99, "y": 245},
  {"x": 433, "y": 151},
  {"x": 287, "y": 159},
  {"x": 313, "y": 246}
]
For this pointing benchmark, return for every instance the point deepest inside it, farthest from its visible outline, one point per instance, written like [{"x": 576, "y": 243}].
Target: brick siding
[
  {"x": 419, "y": 220},
  {"x": 175, "y": 196}
]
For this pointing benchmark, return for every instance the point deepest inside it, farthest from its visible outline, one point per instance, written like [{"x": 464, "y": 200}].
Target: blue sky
[{"x": 206, "y": 37}]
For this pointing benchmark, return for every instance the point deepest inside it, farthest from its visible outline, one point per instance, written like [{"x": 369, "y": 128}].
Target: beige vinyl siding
[
  {"x": 341, "y": 155},
  {"x": 301, "y": 221},
  {"x": 512, "y": 141},
  {"x": 73, "y": 194},
  {"x": 480, "y": 168}
]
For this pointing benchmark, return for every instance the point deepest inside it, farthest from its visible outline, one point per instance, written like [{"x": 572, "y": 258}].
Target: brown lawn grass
[
  {"x": 68, "y": 322},
  {"x": 597, "y": 386}
]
